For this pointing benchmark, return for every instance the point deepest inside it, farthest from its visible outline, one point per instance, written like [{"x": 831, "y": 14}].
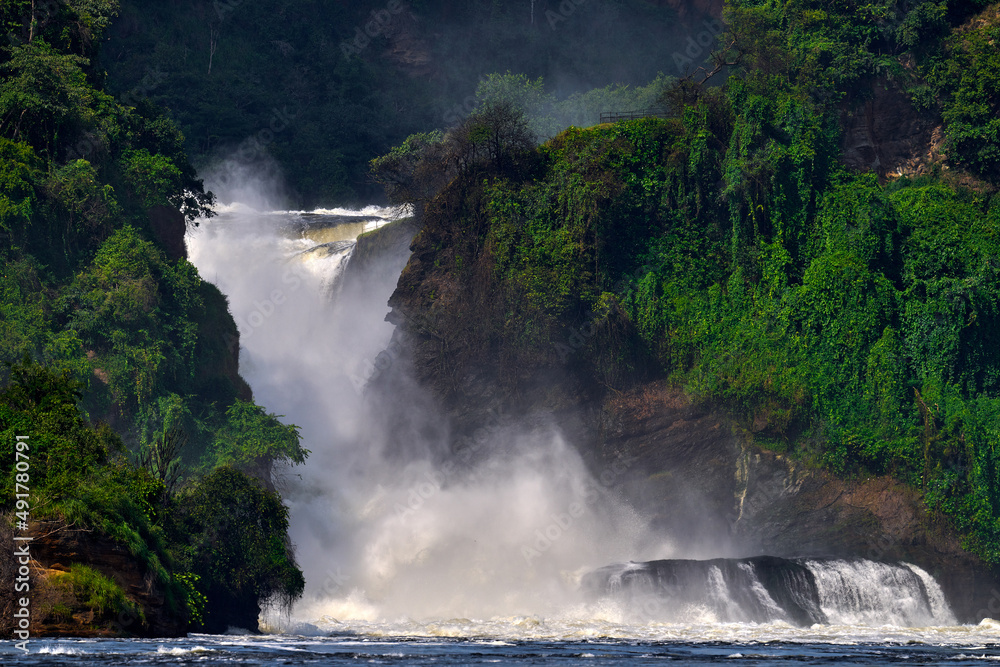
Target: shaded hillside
[
  {"x": 120, "y": 365},
  {"x": 324, "y": 87}
]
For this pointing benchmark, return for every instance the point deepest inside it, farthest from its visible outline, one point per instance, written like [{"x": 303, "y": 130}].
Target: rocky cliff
[
  {"x": 701, "y": 475},
  {"x": 57, "y": 610}
]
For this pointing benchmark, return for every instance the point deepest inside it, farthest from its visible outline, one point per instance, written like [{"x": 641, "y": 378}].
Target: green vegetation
[
  {"x": 95, "y": 592},
  {"x": 236, "y": 542},
  {"x": 547, "y": 115},
  {"x": 847, "y": 320},
  {"x": 103, "y": 322},
  {"x": 969, "y": 80}
]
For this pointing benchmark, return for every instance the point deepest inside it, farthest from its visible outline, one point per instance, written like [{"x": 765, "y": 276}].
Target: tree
[
  {"x": 415, "y": 171},
  {"x": 43, "y": 94},
  {"x": 523, "y": 93},
  {"x": 253, "y": 440},
  {"x": 497, "y": 135},
  {"x": 235, "y": 532}
]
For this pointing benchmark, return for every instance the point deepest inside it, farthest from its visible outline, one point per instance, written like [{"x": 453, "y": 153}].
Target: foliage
[
  {"x": 43, "y": 403},
  {"x": 136, "y": 310},
  {"x": 414, "y": 171},
  {"x": 99, "y": 594},
  {"x": 520, "y": 92},
  {"x": 969, "y": 79},
  {"x": 97, "y": 322},
  {"x": 18, "y": 174},
  {"x": 236, "y": 543},
  {"x": 155, "y": 179},
  {"x": 77, "y": 471},
  {"x": 304, "y": 85},
  {"x": 251, "y": 440},
  {"x": 496, "y": 135},
  {"x": 44, "y": 94},
  {"x": 547, "y": 115}
]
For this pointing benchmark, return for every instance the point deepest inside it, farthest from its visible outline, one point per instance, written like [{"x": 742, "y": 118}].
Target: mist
[{"x": 388, "y": 516}]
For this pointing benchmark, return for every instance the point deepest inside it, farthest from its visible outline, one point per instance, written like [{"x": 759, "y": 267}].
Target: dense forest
[
  {"x": 320, "y": 88},
  {"x": 119, "y": 361}
]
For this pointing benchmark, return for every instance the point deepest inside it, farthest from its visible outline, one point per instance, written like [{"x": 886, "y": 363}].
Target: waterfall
[
  {"x": 384, "y": 523},
  {"x": 864, "y": 592},
  {"x": 767, "y": 589},
  {"x": 512, "y": 531}
]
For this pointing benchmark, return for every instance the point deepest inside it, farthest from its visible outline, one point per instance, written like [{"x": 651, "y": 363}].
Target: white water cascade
[
  {"x": 378, "y": 536},
  {"x": 805, "y": 592},
  {"x": 863, "y": 592}
]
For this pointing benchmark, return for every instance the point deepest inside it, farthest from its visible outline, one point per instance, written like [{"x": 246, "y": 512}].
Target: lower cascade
[{"x": 764, "y": 589}]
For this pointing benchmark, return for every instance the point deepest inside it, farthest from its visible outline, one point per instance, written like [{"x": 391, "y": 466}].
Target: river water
[{"x": 740, "y": 645}]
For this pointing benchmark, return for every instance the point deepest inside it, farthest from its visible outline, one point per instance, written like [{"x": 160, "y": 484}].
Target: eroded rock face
[
  {"x": 57, "y": 546},
  {"x": 169, "y": 226},
  {"x": 704, "y": 481},
  {"x": 691, "y": 468},
  {"x": 885, "y": 134}
]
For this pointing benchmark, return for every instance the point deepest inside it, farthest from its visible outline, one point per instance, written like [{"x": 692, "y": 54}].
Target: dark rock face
[
  {"x": 383, "y": 251},
  {"x": 885, "y": 134},
  {"x": 765, "y": 589},
  {"x": 169, "y": 226},
  {"x": 218, "y": 373},
  {"x": 760, "y": 589},
  {"x": 691, "y": 468},
  {"x": 700, "y": 476},
  {"x": 236, "y": 612}
]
